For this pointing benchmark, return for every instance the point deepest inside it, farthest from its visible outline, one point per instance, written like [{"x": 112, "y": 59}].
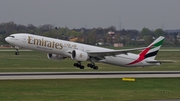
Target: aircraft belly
[{"x": 118, "y": 60}]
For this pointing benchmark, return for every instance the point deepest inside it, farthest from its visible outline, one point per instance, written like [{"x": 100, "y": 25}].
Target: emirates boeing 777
[{"x": 60, "y": 49}]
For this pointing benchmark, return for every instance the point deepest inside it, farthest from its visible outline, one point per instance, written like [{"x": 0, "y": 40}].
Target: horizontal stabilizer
[{"x": 161, "y": 61}]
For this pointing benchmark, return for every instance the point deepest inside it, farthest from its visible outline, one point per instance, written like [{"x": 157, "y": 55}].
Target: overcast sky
[{"x": 130, "y": 14}]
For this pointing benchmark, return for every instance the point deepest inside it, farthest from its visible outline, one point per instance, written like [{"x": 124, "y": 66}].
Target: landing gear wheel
[
  {"x": 81, "y": 67},
  {"x": 95, "y": 67},
  {"x": 89, "y": 65},
  {"x": 16, "y": 53},
  {"x": 75, "y": 64}
]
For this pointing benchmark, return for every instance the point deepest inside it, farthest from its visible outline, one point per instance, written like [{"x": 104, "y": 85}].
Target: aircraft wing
[
  {"x": 101, "y": 54},
  {"x": 160, "y": 61}
]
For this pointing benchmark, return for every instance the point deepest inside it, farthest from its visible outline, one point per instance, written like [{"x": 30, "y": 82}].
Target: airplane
[{"x": 57, "y": 49}]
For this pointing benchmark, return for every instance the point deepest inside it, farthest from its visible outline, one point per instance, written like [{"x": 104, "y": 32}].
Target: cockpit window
[{"x": 12, "y": 36}]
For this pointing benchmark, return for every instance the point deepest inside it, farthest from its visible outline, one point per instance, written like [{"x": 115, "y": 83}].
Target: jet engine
[
  {"x": 55, "y": 56},
  {"x": 79, "y": 55}
]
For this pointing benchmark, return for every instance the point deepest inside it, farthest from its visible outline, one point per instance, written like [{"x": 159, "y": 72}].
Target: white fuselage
[{"x": 62, "y": 47}]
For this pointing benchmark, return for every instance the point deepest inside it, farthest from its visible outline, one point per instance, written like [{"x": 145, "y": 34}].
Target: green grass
[
  {"x": 32, "y": 61},
  {"x": 89, "y": 90}
]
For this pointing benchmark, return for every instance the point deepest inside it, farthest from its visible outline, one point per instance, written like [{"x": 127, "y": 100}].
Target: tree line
[{"x": 92, "y": 36}]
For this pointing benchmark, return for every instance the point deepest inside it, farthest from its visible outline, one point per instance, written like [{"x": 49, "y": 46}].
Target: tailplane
[{"x": 151, "y": 51}]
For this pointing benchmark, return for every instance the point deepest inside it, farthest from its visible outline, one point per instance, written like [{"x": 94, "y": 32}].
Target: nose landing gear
[{"x": 17, "y": 50}]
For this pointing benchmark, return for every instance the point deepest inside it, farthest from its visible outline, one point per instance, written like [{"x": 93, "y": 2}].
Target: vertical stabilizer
[{"x": 151, "y": 51}]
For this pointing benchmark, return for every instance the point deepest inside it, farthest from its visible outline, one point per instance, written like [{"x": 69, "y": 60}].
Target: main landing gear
[
  {"x": 78, "y": 65},
  {"x": 91, "y": 65}
]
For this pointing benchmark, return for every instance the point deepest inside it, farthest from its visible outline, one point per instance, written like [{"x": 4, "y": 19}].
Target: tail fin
[{"x": 151, "y": 51}]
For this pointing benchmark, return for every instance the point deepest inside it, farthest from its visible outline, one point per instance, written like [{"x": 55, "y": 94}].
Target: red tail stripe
[{"x": 141, "y": 56}]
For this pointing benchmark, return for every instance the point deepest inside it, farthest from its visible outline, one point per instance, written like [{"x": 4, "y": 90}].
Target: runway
[{"x": 86, "y": 75}]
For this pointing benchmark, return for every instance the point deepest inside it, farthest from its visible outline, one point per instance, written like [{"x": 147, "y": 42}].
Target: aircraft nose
[
  {"x": 6, "y": 39},
  {"x": 10, "y": 39}
]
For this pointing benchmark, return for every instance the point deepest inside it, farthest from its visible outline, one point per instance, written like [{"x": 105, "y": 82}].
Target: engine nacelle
[
  {"x": 79, "y": 55},
  {"x": 55, "y": 56}
]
